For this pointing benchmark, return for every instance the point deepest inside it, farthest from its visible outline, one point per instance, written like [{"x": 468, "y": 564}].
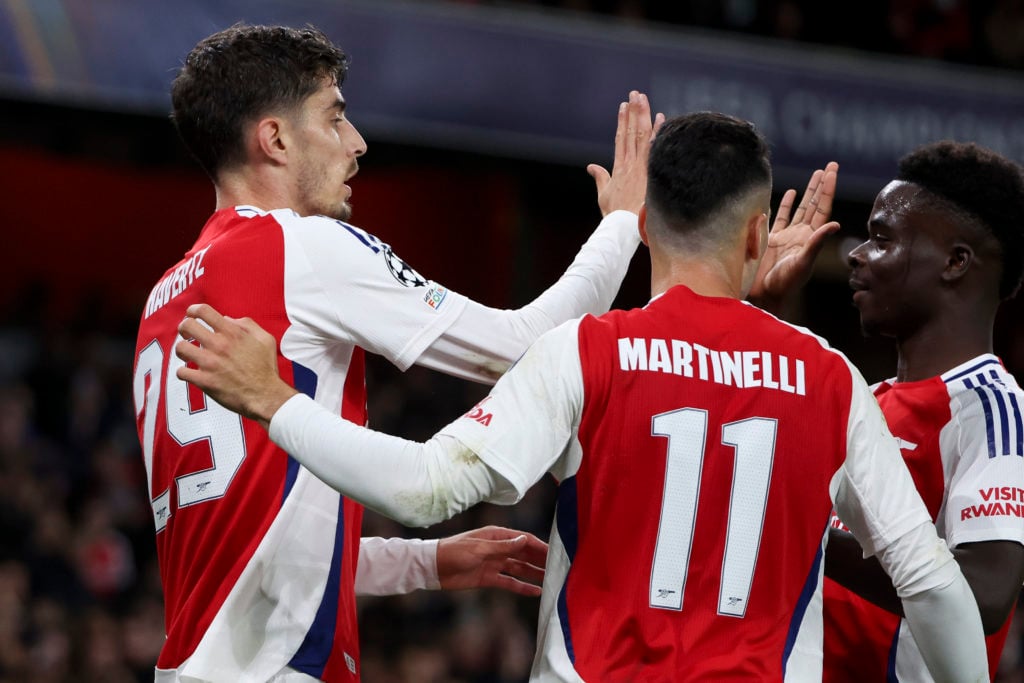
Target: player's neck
[
  {"x": 706, "y": 277},
  {"x": 250, "y": 188},
  {"x": 941, "y": 346}
]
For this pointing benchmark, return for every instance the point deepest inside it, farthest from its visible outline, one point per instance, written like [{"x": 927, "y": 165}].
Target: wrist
[{"x": 268, "y": 403}]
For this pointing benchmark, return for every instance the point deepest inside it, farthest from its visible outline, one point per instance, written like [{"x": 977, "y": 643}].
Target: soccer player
[
  {"x": 699, "y": 444},
  {"x": 945, "y": 246},
  {"x": 261, "y": 561}
]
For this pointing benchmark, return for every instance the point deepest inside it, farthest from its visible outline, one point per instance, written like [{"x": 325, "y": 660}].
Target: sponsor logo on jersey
[
  {"x": 401, "y": 270},
  {"x": 1000, "y": 501},
  {"x": 479, "y": 414},
  {"x": 435, "y": 296},
  {"x": 350, "y": 662},
  {"x": 742, "y": 369}
]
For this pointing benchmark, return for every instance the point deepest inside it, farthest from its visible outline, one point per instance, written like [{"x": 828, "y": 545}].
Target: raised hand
[
  {"x": 795, "y": 240},
  {"x": 626, "y": 186},
  {"x": 493, "y": 557}
]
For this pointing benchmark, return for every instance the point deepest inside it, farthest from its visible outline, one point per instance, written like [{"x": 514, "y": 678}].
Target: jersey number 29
[{"x": 213, "y": 423}]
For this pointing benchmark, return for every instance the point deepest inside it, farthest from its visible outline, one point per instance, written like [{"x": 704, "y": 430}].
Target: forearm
[
  {"x": 484, "y": 341},
  {"x": 938, "y": 604},
  {"x": 415, "y": 484},
  {"x": 394, "y": 566},
  {"x": 947, "y": 629},
  {"x": 845, "y": 564}
]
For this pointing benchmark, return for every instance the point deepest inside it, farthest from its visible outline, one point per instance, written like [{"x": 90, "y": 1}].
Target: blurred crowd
[
  {"x": 979, "y": 32},
  {"x": 80, "y": 597}
]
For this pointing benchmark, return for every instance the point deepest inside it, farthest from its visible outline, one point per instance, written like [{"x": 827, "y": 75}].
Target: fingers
[
  {"x": 824, "y": 195},
  {"x": 191, "y": 329},
  {"x": 534, "y": 551},
  {"x": 659, "y": 120},
  {"x": 805, "y": 202},
  {"x": 811, "y": 249},
  {"x": 782, "y": 216},
  {"x": 513, "y": 585},
  {"x": 620, "y": 132},
  {"x": 632, "y": 125},
  {"x": 524, "y": 571},
  {"x": 208, "y": 314},
  {"x": 600, "y": 176},
  {"x": 635, "y": 129}
]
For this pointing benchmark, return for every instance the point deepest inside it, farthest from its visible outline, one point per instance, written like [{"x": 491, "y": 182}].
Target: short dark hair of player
[
  {"x": 241, "y": 73},
  {"x": 700, "y": 165},
  {"x": 989, "y": 188}
]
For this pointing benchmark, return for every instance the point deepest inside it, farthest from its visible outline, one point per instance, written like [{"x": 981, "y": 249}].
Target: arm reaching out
[
  {"x": 236, "y": 363},
  {"x": 491, "y": 557},
  {"x": 483, "y": 342},
  {"x": 795, "y": 241}
]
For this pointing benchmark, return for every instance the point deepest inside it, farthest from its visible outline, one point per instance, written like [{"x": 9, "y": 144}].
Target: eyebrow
[{"x": 338, "y": 104}]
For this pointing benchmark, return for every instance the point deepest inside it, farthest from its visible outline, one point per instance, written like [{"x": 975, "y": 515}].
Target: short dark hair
[
  {"x": 986, "y": 186},
  {"x": 701, "y": 161},
  {"x": 240, "y": 73}
]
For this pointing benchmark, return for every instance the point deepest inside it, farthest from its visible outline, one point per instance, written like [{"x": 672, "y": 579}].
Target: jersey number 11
[{"x": 754, "y": 442}]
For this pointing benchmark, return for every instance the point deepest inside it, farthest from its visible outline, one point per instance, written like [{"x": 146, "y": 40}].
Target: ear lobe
[
  {"x": 642, "y": 224},
  {"x": 958, "y": 262}
]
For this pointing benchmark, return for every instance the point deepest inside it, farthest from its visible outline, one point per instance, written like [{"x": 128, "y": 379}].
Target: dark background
[{"x": 96, "y": 204}]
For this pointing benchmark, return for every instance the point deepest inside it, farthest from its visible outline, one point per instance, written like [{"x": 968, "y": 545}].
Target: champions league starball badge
[{"x": 401, "y": 270}]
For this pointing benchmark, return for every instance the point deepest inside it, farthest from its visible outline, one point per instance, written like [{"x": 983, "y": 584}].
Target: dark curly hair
[
  {"x": 236, "y": 75},
  {"x": 983, "y": 184},
  {"x": 700, "y": 162}
]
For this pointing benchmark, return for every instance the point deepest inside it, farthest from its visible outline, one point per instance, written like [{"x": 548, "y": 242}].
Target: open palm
[{"x": 796, "y": 238}]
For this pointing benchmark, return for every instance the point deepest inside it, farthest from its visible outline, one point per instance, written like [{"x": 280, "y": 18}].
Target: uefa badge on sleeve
[{"x": 435, "y": 296}]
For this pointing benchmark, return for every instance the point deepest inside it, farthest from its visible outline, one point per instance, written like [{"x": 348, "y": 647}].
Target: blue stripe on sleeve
[{"x": 990, "y": 431}]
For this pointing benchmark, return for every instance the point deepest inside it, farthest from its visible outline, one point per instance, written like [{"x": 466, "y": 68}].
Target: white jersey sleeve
[
  {"x": 873, "y": 492},
  {"x": 875, "y": 496},
  {"x": 985, "y": 490},
  {"x": 391, "y": 566},
  {"x": 483, "y": 342},
  {"x": 346, "y": 285},
  {"x": 484, "y": 455},
  {"x": 523, "y": 429}
]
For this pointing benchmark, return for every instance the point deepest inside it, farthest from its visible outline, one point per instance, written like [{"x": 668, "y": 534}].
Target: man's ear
[
  {"x": 757, "y": 236},
  {"x": 270, "y": 137},
  {"x": 642, "y": 224},
  {"x": 958, "y": 262}
]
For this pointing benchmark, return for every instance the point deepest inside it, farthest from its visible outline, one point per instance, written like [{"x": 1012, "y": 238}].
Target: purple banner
[{"x": 530, "y": 84}]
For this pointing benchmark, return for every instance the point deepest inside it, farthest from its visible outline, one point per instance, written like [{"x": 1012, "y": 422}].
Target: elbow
[{"x": 418, "y": 509}]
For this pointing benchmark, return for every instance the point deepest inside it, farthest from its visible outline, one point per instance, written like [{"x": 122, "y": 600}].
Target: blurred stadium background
[{"x": 480, "y": 118}]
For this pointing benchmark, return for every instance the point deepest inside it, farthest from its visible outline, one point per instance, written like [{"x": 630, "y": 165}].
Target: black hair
[
  {"x": 236, "y": 75},
  {"x": 701, "y": 161},
  {"x": 986, "y": 186}
]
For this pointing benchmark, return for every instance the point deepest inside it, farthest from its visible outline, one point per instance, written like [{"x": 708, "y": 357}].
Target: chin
[{"x": 342, "y": 212}]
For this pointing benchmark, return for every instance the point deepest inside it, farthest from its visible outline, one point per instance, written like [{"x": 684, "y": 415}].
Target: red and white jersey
[
  {"x": 694, "y": 442},
  {"x": 257, "y": 556},
  {"x": 962, "y": 437}
]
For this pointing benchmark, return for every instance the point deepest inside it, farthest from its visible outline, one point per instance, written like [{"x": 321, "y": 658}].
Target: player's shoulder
[
  {"x": 987, "y": 403},
  {"x": 324, "y": 227},
  {"x": 981, "y": 376},
  {"x": 797, "y": 338}
]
